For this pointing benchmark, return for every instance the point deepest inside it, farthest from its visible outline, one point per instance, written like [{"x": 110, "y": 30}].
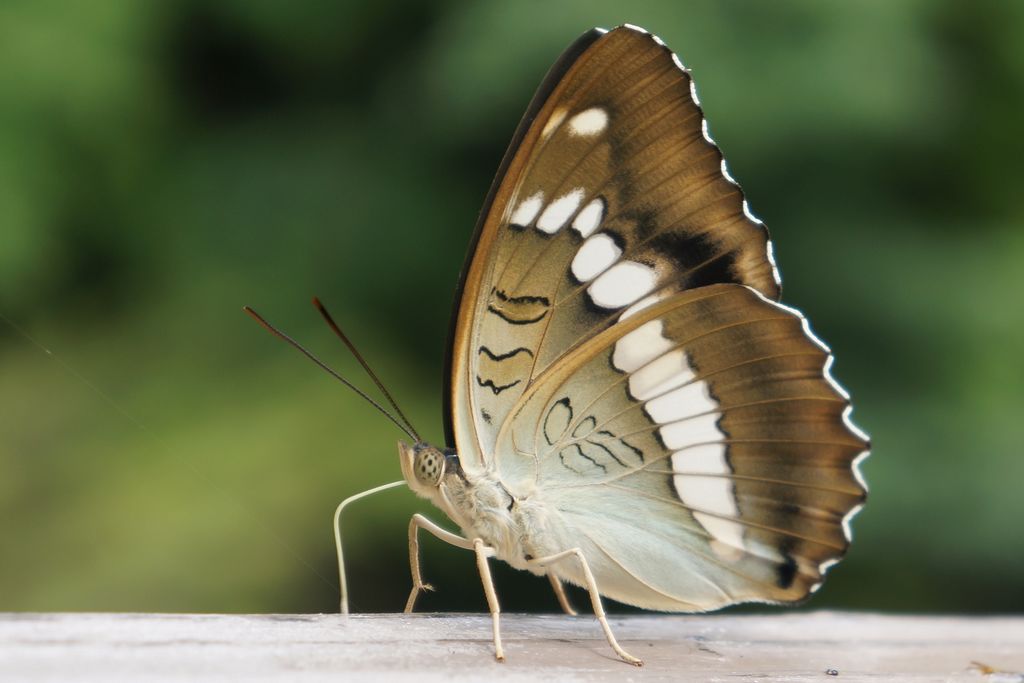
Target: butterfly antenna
[
  {"x": 278, "y": 333},
  {"x": 366, "y": 366}
]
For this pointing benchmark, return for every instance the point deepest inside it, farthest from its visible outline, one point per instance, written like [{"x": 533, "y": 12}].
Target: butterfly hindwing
[
  {"x": 699, "y": 446},
  {"x": 612, "y": 198}
]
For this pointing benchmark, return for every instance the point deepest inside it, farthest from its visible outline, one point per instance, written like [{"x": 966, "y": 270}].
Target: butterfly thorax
[{"x": 479, "y": 503}]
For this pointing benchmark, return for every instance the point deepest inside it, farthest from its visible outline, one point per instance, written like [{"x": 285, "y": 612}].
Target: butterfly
[{"x": 628, "y": 407}]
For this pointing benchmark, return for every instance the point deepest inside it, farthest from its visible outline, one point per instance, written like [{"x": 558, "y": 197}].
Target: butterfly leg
[
  {"x": 563, "y": 599},
  {"x": 595, "y": 599},
  {"x": 415, "y": 524},
  {"x": 482, "y": 555}
]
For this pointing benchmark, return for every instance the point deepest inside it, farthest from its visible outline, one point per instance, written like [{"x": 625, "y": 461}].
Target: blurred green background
[{"x": 162, "y": 164}]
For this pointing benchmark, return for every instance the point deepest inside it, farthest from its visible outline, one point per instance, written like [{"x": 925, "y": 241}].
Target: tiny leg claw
[
  {"x": 415, "y": 593},
  {"x": 563, "y": 599},
  {"x": 415, "y": 524},
  {"x": 595, "y": 599}
]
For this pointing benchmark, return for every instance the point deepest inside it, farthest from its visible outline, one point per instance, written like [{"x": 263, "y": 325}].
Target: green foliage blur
[{"x": 162, "y": 164}]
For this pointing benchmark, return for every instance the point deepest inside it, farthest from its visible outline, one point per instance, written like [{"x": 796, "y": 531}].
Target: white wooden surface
[{"x": 426, "y": 647}]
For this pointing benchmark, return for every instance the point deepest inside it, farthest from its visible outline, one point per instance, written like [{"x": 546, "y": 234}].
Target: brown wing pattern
[
  {"x": 613, "y": 197},
  {"x": 712, "y": 421}
]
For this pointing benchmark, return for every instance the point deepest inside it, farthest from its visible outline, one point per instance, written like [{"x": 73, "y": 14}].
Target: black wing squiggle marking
[
  {"x": 584, "y": 426},
  {"x": 513, "y": 321},
  {"x": 519, "y": 310},
  {"x": 551, "y": 439},
  {"x": 587, "y": 457},
  {"x": 522, "y": 299},
  {"x": 503, "y": 356},
  {"x": 639, "y": 453},
  {"x": 608, "y": 451},
  {"x": 496, "y": 388},
  {"x": 561, "y": 456},
  {"x": 607, "y": 445}
]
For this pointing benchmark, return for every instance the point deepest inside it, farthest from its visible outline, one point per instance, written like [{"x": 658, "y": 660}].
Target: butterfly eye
[{"x": 429, "y": 467}]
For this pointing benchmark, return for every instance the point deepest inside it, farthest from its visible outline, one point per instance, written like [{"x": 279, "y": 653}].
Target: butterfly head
[{"x": 423, "y": 466}]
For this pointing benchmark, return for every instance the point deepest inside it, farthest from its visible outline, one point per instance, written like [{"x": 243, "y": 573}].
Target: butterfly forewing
[{"x": 613, "y": 199}]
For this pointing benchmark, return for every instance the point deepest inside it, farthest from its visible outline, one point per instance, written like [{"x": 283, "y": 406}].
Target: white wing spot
[
  {"x": 527, "y": 210},
  {"x": 692, "y": 432},
  {"x": 771, "y": 260},
  {"x": 711, "y": 497},
  {"x": 688, "y": 416},
  {"x": 827, "y": 564},
  {"x": 622, "y": 284},
  {"x": 640, "y": 346},
  {"x": 589, "y": 219},
  {"x": 728, "y": 541},
  {"x": 595, "y": 256},
  {"x": 641, "y": 305},
  {"x": 726, "y": 174},
  {"x": 559, "y": 211},
  {"x": 686, "y": 401},
  {"x": 750, "y": 214},
  {"x": 705, "y": 132},
  {"x": 589, "y": 122},
  {"x": 663, "y": 374},
  {"x": 703, "y": 459}
]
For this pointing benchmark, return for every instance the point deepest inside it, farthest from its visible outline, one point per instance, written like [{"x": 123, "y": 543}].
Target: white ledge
[{"x": 429, "y": 647}]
